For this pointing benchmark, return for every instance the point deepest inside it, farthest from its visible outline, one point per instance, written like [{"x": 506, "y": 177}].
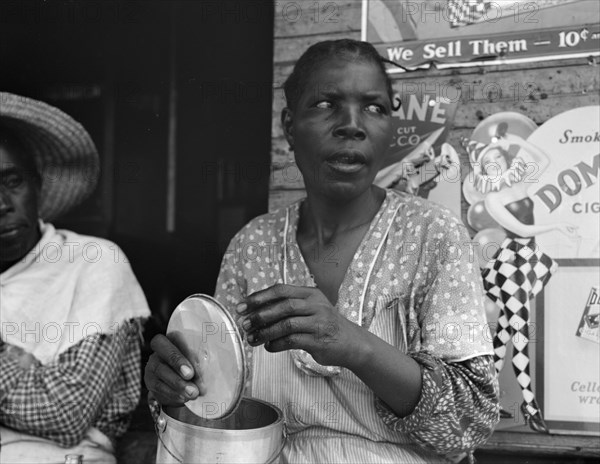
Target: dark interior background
[{"x": 177, "y": 97}]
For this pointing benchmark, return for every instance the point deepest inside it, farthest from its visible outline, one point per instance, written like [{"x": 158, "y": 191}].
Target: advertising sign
[
  {"x": 418, "y": 160},
  {"x": 451, "y": 33},
  {"x": 535, "y": 204},
  {"x": 568, "y": 192}
]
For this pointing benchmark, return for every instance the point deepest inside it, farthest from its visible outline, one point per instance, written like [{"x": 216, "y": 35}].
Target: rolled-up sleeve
[
  {"x": 458, "y": 408},
  {"x": 449, "y": 337}
]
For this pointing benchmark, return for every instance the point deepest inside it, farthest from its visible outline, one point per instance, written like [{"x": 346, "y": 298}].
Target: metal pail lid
[{"x": 208, "y": 337}]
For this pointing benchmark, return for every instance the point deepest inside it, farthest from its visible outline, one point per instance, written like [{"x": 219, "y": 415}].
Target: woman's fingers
[
  {"x": 271, "y": 313},
  {"x": 168, "y": 387},
  {"x": 167, "y": 396},
  {"x": 169, "y": 353},
  {"x": 167, "y": 373},
  {"x": 315, "y": 333},
  {"x": 295, "y": 341},
  {"x": 286, "y": 316},
  {"x": 272, "y": 294},
  {"x": 282, "y": 328}
]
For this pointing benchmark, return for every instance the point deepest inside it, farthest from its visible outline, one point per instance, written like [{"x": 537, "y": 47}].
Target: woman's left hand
[{"x": 286, "y": 317}]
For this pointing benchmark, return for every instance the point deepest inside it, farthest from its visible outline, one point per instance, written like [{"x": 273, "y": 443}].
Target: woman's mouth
[
  {"x": 347, "y": 162},
  {"x": 10, "y": 232}
]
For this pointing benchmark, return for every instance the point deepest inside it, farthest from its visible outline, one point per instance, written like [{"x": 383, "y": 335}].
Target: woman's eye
[
  {"x": 324, "y": 104},
  {"x": 373, "y": 108},
  {"x": 13, "y": 181}
]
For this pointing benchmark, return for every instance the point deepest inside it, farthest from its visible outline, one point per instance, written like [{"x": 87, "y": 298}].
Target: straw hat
[{"x": 64, "y": 152}]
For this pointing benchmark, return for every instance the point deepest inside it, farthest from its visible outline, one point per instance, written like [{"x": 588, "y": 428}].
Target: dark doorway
[{"x": 177, "y": 97}]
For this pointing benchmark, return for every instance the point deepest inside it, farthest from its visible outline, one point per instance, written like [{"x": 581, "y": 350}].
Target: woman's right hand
[{"x": 168, "y": 374}]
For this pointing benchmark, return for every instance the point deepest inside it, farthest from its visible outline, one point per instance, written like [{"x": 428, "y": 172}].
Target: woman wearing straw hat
[{"x": 71, "y": 308}]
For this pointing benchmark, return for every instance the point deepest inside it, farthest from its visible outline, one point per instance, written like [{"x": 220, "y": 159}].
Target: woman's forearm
[{"x": 393, "y": 376}]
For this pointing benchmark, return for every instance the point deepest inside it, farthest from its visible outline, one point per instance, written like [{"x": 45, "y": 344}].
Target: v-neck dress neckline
[{"x": 363, "y": 257}]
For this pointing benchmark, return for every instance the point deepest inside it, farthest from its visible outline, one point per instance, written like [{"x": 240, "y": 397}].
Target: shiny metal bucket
[{"x": 254, "y": 433}]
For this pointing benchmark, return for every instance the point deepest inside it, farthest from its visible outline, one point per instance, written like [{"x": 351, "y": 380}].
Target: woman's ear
[{"x": 287, "y": 122}]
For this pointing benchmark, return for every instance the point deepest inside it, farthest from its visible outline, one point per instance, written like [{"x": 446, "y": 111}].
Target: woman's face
[
  {"x": 340, "y": 128},
  {"x": 19, "y": 230},
  {"x": 494, "y": 163}
]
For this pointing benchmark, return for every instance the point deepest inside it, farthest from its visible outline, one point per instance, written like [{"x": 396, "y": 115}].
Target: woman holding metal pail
[{"x": 362, "y": 320}]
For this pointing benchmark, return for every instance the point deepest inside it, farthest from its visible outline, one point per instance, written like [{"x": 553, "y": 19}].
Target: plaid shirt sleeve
[{"x": 94, "y": 383}]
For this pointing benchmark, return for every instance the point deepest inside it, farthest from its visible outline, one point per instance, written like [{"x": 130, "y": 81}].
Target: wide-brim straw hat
[{"x": 65, "y": 155}]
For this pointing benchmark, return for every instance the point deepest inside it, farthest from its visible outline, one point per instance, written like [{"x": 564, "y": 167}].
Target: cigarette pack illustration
[{"x": 589, "y": 325}]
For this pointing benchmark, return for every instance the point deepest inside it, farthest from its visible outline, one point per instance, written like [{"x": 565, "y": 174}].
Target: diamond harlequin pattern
[{"x": 518, "y": 272}]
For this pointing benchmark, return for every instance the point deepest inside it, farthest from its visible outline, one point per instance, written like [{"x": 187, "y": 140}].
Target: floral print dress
[{"x": 420, "y": 289}]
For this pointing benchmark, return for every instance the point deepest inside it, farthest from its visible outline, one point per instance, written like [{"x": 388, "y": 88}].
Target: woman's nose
[
  {"x": 6, "y": 203},
  {"x": 350, "y": 124}
]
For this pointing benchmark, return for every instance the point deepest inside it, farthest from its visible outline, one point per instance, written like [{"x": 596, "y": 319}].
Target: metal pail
[{"x": 254, "y": 433}]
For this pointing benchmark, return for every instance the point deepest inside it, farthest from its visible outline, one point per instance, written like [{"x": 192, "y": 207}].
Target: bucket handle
[
  {"x": 280, "y": 449},
  {"x": 160, "y": 423}
]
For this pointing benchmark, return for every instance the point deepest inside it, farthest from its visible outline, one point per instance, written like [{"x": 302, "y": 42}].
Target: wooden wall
[{"x": 540, "y": 90}]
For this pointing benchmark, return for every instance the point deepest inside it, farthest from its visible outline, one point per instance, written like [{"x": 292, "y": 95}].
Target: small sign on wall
[
  {"x": 569, "y": 359},
  {"x": 457, "y": 33}
]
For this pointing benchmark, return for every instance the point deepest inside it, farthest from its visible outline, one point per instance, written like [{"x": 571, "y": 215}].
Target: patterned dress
[{"x": 421, "y": 292}]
